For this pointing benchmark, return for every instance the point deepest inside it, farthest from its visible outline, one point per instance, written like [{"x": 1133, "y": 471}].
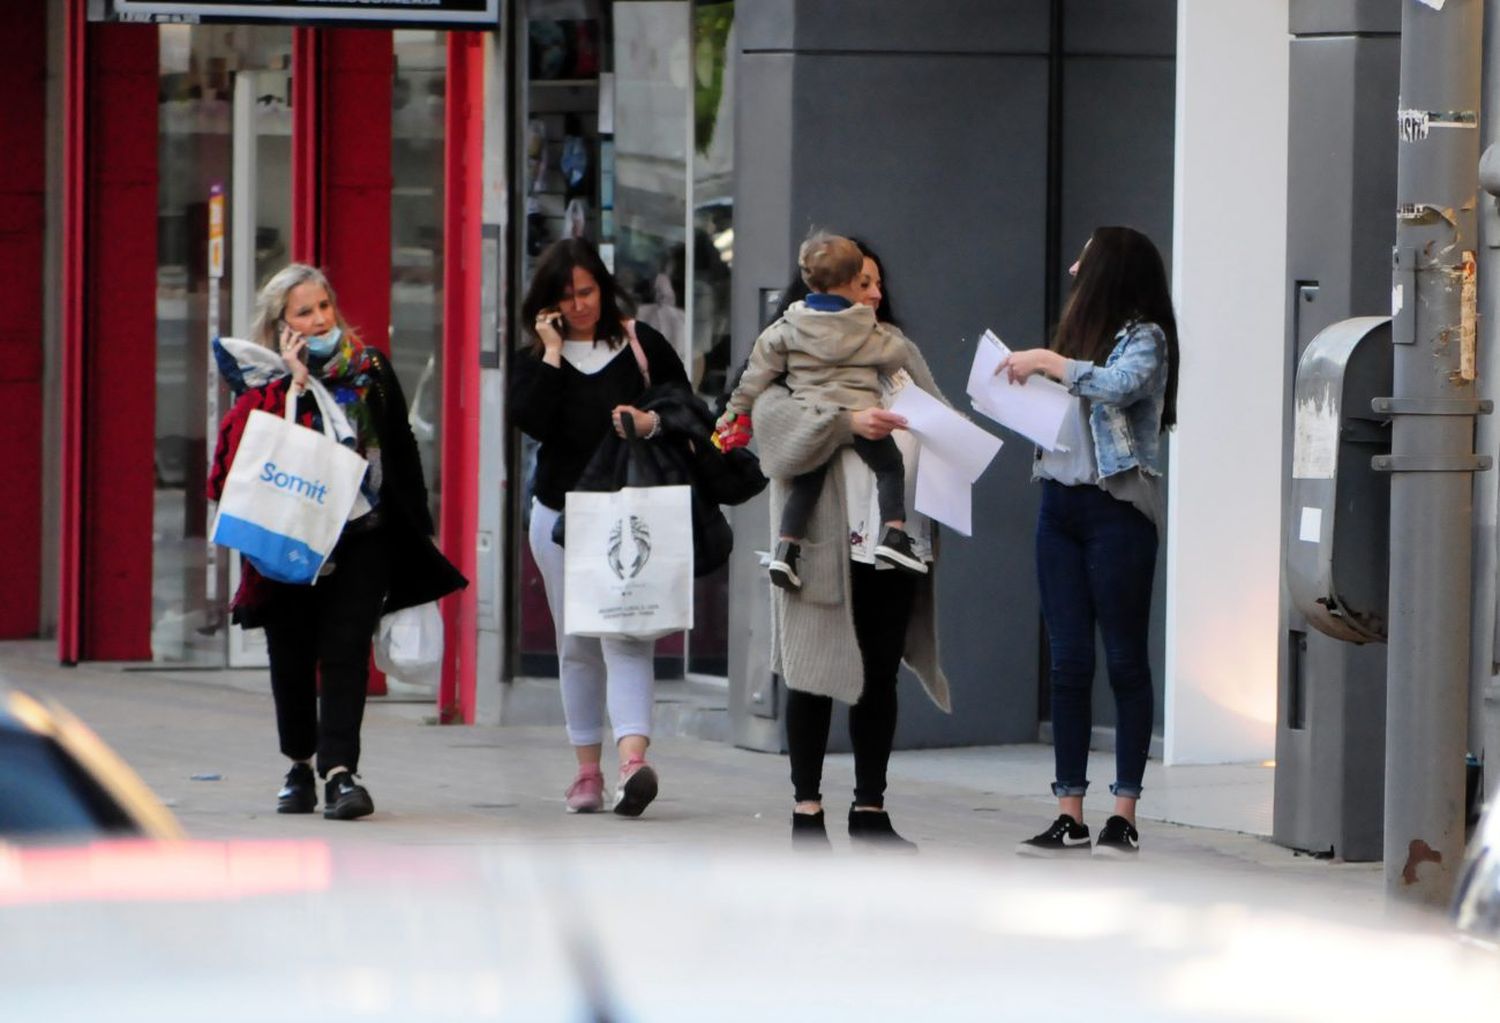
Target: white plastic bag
[{"x": 409, "y": 644}]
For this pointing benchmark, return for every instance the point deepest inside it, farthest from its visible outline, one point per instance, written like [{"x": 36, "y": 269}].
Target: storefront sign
[{"x": 405, "y": 13}]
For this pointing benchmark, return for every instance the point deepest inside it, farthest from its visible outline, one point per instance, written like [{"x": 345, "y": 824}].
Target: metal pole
[
  {"x": 1432, "y": 448},
  {"x": 1486, "y": 493}
]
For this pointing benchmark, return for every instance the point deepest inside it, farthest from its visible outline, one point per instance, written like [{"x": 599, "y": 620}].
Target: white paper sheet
[
  {"x": 1036, "y": 409},
  {"x": 943, "y": 494},
  {"x": 964, "y": 446},
  {"x": 955, "y": 452}
]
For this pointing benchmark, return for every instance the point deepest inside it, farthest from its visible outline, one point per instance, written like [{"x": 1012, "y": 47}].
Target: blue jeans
[{"x": 1095, "y": 561}]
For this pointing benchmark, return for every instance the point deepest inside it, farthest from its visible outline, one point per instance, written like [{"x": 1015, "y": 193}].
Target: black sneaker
[
  {"x": 871, "y": 829},
  {"x": 299, "y": 793},
  {"x": 784, "y": 566},
  {"x": 1118, "y": 840},
  {"x": 895, "y": 548},
  {"x": 809, "y": 832},
  {"x": 344, "y": 799},
  {"x": 1065, "y": 837}
]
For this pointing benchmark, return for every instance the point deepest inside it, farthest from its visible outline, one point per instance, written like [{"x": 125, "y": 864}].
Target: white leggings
[{"x": 584, "y": 665}]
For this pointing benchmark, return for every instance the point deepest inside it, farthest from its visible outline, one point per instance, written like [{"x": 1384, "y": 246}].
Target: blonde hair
[
  {"x": 270, "y": 304},
  {"x": 828, "y": 261}
]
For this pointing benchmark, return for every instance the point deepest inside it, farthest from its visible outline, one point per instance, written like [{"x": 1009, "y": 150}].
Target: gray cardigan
[{"x": 812, "y": 632}]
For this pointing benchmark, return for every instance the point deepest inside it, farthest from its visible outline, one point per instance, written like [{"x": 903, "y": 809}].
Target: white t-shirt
[
  {"x": 587, "y": 357},
  {"x": 864, "y": 504}
]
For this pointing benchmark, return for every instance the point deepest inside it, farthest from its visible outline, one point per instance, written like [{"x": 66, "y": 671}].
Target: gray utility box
[
  {"x": 1330, "y": 729},
  {"x": 1338, "y": 551}
]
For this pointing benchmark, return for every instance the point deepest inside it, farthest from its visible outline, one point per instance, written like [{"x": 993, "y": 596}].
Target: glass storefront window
[
  {"x": 628, "y": 141},
  {"x": 417, "y": 102},
  {"x": 224, "y": 105}
]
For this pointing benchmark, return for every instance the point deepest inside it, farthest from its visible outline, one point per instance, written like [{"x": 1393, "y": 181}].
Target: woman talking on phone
[
  {"x": 319, "y": 636},
  {"x": 577, "y": 379}
]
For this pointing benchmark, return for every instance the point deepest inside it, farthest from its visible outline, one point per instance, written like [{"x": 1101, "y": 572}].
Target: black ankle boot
[
  {"x": 809, "y": 834},
  {"x": 872, "y": 829}
]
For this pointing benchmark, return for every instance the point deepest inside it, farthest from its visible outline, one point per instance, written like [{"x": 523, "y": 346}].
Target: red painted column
[
  {"x": 70, "y": 319},
  {"x": 463, "y": 162},
  {"x": 108, "y": 339},
  {"x": 23, "y": 77},
  {"x": 307, "y": 146},
  {"x": 341, "y": 167}
]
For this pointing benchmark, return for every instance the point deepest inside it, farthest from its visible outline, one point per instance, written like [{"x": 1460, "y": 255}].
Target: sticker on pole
[
  {"x": 1436, "y": 5},
  {"x": 1416, "y": 125},
  {"x": 1310, "y": 530}
]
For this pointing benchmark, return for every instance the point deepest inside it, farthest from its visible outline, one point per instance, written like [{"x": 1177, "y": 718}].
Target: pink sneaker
[
  {"x": 636, "y": 788},
  {"x": 586, "y": 794}
]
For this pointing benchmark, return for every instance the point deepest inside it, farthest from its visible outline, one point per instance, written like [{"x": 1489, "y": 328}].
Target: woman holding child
[{"x": 859, "y": 599}]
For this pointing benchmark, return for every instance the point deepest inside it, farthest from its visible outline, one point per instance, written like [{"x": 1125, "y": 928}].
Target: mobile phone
[{"x": 283, "y": 325}]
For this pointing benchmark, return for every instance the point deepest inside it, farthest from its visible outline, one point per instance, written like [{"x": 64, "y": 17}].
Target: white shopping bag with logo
[
  {"x": 290, "y": 490},
  {"x": 628, "y": 562}
]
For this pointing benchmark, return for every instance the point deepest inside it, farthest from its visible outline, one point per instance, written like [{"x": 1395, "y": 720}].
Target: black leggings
[
  {"x": 319, "y": 640},
  {"x": 882, "y": 457},
  {"x": 882, "y": 604}
]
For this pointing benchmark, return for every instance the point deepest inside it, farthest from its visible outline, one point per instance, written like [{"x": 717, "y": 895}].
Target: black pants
[
  {"x": 882, "y": 603},
  {"x": 884, "y": 460},
  {"x": 319, "y": 640}
]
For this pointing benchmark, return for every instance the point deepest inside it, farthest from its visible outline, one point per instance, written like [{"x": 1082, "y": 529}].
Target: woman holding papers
[
  {"x": 319, "y": 635},
  {"x": 1096, "y": 537},
  {"x": 844, "y": 634}
]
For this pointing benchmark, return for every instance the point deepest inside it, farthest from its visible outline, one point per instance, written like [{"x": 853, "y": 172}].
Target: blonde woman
[{"x": 319, "y": 635}]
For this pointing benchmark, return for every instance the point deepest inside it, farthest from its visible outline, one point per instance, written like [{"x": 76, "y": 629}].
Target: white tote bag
[
  {"x": 289, "y": 492},
  {"x": 409, "y": 644},
  {"x": 628, "y": 562}
]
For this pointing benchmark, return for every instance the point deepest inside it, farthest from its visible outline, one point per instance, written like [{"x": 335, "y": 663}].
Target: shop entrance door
[
  {"x": 224, "y": 157},
  {"x": 259, "y": 233}
]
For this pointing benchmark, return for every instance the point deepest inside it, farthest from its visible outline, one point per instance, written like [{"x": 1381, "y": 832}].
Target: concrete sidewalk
[{"x": 205, "y": 742}]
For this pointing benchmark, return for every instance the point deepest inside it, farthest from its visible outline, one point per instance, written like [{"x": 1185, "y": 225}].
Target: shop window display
[{"x": 627, "y": 142}]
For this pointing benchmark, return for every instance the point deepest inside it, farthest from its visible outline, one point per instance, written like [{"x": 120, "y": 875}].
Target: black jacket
[
  {"x": 568, "y": 411},
  {"x": 683, "y": 453},
  {"x": 419, "y": 572}
]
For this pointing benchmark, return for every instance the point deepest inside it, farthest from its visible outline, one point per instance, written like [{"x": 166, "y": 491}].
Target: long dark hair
[
  {"x": 797, "y": 289},
  {"x": 552, "y": 278},
  {"x": 1121, "y": 279}
]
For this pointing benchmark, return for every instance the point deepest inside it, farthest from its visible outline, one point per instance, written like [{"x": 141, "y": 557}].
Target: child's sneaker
[
  {"x": 586, "y": 794},
  {"x": 636, "y": 788},
  {"x": 895, "y": 549},
  {"x": 1065, "y": 837},
  {"x": 784, "y": 566},
  {"x": 1118, "y": 840}
]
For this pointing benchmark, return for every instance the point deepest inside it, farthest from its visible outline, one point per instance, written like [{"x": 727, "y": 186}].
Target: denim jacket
[{"x": 1126, "y": 394}]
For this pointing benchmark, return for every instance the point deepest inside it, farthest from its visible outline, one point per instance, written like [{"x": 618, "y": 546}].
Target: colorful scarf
[{"x": 349, "y": 374}]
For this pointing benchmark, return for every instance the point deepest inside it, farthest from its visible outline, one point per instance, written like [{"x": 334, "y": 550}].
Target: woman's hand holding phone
[
  {"x": 548, "y": 327},
  {"x": 293, "y": 353}
]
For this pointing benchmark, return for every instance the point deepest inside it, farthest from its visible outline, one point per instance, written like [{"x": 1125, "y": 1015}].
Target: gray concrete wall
[
  {"x": 925, "y": 129},
  {"x": 1119, "y": 97}
]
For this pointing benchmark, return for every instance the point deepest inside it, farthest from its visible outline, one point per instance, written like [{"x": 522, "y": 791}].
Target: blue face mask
[{"x": 324, "y": 346}]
